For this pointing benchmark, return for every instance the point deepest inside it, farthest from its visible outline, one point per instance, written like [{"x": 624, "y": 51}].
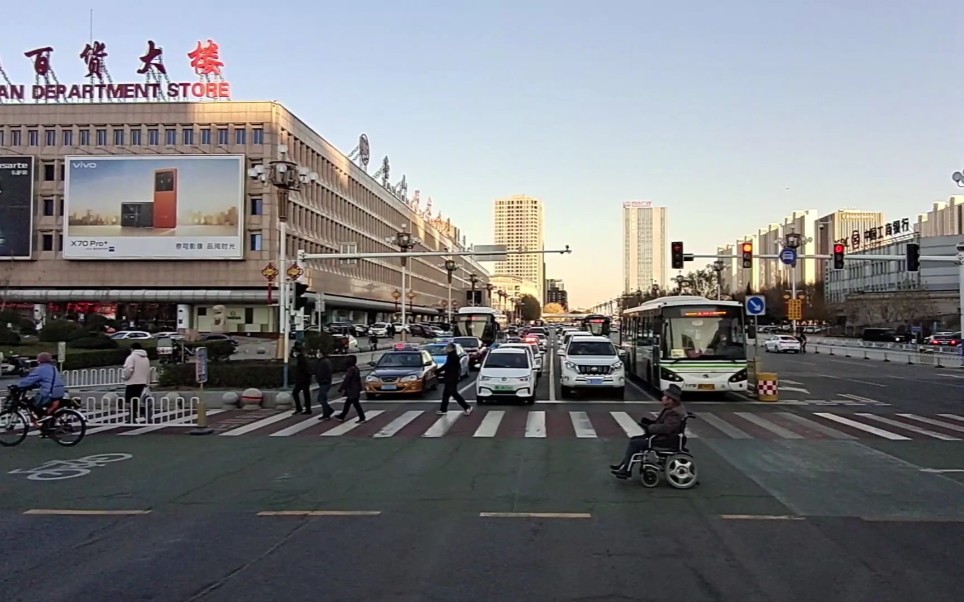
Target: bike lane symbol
[{"x": 58, "y": 470}]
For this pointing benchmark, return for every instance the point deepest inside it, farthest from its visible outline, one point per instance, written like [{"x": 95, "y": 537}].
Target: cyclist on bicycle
[{"x": 47, "y": 378}]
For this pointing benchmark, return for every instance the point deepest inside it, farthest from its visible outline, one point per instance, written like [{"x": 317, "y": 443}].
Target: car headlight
[
  {"x": 617, "y": 366},
  {"x": 410, "y": 378},
  {"x": 485, "y": 378},
  {"x": 372, "y": 378},
  {"x": 524, "y": 379},
  {"x": 570, "y": 365}
]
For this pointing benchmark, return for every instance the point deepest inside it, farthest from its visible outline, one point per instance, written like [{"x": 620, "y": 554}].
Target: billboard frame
[
  {"x": 32, "y": 160},
  {"x": 241, "y": 205}
]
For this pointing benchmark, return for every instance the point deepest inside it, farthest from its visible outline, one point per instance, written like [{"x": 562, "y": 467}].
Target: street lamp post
[
  {"x": 488, "y": 289},
  {"x": 474, "y": 280},
  {"x": 450, "y": 267},
  {"x": 405, "y": 242},
  {"x": 286, "y": 177},
  {"x": 411, "y": 302}
]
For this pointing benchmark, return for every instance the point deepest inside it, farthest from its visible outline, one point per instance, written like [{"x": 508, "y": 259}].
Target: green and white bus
[{"x": 693, "y": 342}]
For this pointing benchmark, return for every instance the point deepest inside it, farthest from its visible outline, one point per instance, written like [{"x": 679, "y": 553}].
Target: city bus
[
  {"x": 483, "y": 323},
  {"x": 597, "y": 324},
  {"x": 689, "y": 341}
]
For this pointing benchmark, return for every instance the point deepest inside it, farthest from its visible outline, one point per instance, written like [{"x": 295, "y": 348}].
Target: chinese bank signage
[
  {"x": 53, "y": 73},
  {"x": 16, "y": 207},
  {"x": 154, "y": 207}
]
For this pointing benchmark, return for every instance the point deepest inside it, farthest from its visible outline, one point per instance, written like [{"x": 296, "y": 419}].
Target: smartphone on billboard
[{"x": 165, "y": 198}]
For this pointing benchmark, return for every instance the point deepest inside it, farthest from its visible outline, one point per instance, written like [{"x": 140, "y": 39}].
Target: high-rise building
[
  {"x": 644, "y": 246},
  {"x": 556, "y": 293},
  {"x": 519, "y": 224}
]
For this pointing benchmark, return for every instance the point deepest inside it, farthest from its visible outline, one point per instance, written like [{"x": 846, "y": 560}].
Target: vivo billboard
[
  {"x": 16, "y": 207},
  {"x": 154, "y": 207}
]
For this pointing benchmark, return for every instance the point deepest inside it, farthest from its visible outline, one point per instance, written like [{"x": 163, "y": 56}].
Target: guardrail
[
  {"x": 99, "y": 377},
  {"x": 110, "y": 410},
  {"x": 843, "y": 342},
  {"x": 907, "y": 356}
]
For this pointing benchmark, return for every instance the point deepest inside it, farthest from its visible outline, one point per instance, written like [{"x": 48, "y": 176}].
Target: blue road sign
[
  {"x": 201, "y": 367},
  {"x": 788, "y": 256},
  {"x": 756, "y": 305}
]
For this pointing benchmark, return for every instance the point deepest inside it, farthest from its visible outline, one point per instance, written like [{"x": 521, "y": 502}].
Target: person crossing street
[{"x": 451, "y": 375}]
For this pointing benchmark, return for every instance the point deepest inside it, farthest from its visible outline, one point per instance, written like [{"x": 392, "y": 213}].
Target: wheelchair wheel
[
  {"x": 680, "y": 471},
  {"x": 649, "y": 476}
]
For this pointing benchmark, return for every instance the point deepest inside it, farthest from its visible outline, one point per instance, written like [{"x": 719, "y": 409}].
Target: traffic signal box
[
  {"x": 300, "y": 299},
  {"x": 913, "y": 257},
  {"x": 838, "y": 256},
  {"x": 747, "y": 249},
  {"x": 677, "y": 254}
]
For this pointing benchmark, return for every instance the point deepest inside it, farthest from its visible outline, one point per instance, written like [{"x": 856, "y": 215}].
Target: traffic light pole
[{"x": 956, "y": 259}]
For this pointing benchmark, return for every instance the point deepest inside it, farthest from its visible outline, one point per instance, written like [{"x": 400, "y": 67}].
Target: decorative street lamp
[
  {"x": 450, "y": 267},
  {"x": 474, "y": 280},
  {"x": 396, "y": 294},
  {"x": 959, "y": 178},
  {"x": 405, "y": 242}
]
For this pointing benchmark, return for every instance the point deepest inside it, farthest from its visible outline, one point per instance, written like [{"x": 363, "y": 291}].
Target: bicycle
[{"x": 20, "y": 414}]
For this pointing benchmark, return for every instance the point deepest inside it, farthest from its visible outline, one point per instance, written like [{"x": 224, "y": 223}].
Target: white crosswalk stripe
[{"x": 540, "y": 424}]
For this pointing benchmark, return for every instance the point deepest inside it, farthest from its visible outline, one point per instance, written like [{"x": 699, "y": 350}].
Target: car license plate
[
  {"x": 595, "y": 381},
  {"x": 504, "y": 388},
  {"x": 706, "y": 387},
  {"x": 389, "y": 388}
]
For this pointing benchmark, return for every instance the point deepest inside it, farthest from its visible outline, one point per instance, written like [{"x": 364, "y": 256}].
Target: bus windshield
[
  {"x": 704, "y": 333},
  {"x": 473, "y": 326}
]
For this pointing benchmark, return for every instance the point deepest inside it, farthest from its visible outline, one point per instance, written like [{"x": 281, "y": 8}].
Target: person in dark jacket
[
  {"x": 352, "y": 388},
  {"x": 451, "y": 375},
  {"x": 302, "y": 388},
  {"x": 666, "y": 428},
  {"x": 323, "y": 376}
]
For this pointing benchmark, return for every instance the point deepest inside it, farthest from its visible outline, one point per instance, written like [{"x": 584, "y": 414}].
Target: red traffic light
[
  {"x": 838, "y": 248},
  {"x": 677, "y": 247}
]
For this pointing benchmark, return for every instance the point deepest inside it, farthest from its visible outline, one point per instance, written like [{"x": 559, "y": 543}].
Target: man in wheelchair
[{"x": 662, "y": 432}]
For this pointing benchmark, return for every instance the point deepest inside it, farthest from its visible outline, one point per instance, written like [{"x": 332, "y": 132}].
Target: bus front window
[{"x": 705, "y": 334}]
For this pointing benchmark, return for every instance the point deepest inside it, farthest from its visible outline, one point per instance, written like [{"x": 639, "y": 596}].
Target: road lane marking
[
  {"x": 723, "y": 425},
  {"x": 398, "y": 424},
  {"x": 320, "y": 513},
  {"x": 942, "y": 470},
  {"x": 242, "y": 430},
  {"x": 50, "y": 512},
  {"x": 645, "y": 393},
  {"x": 536, "y": 425},
  {"x": 443, "y": 424},
  {"x": 873, "y": 430},
  {"x": 907, "y": 427},
  {"x": 860, "y": 398},
  {"x": 761, "y": 517},
  {"x": 932, "y": 422},
  {"x": 297, "y": 427},
  {"x": 816, "y": 426},
  {"x": 582, "y": 425},
  {"x": 952, "y": 417},
  {"x": 766, "y": 424},
  {"x": 535, "y": 515},
  {"x": 345, "y": 427},
  {"x": 551, "y": 356},
  {"x": 629, "y": 426},
  {"x": 188, "y": 421},
  {"x": 490, "y": 424}
]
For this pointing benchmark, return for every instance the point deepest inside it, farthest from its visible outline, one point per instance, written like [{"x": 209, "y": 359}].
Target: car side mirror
[
  {"x": 427, "y": 364},
  {"x": 371, "y": 363}
]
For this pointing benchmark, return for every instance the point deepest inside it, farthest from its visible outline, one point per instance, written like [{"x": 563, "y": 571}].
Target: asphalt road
[{"x": 527, "y": 514}]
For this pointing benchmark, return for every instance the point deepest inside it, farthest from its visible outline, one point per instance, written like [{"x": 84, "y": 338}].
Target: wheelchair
[{"x": 675, "y": 463}]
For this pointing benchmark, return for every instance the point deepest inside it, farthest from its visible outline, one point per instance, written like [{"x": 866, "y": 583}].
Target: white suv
[
  {"x": 507, "y": 373},
  {"x": 592, "y": 362}
]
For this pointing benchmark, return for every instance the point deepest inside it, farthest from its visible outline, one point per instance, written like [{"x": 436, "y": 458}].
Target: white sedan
[{"x": 782, "y": 343}]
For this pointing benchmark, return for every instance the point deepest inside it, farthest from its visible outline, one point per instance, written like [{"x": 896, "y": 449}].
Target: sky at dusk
[{"x": 731, "y": 114}]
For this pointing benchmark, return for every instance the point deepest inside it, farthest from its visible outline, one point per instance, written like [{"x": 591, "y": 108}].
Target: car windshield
[
  {"x": 468, "y": 342},
  {"x": 400, "y": 360},
  {"x": 435, "y": 349},
  {"x": 591, "y": 348},
  {"x": 507, "y": 360}
]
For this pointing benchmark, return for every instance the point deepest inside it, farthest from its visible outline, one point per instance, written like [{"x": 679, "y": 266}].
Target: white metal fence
[
  {"x": 99, "y": 377},
  {"x": 110, "y": 410},
  {"x": 906, "y": 354}
]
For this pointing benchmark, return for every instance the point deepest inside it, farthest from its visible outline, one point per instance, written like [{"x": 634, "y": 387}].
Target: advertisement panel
[
  {"x": 16, "y": 207},
  {"x": 154, "y": 207}
]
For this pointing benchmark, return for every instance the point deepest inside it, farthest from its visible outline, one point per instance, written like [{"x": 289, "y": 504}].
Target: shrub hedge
[
  {"x": 241, "y": 374},
  {"x": 8, "y": 337}
]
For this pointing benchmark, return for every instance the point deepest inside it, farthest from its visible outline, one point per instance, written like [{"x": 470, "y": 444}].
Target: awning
[{"x": 189, "y": 297}]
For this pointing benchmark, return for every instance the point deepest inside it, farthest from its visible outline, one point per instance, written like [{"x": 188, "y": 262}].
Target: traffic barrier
[
  {"x": 768, "y": 386},
  {"x": 112, "y": 410},
  {"x": 752, "y": 375},
  {"x": 99, "y": 377}
]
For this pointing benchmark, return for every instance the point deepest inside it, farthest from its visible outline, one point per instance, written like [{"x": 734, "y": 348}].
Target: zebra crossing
[{"x": 556, "y": 423}]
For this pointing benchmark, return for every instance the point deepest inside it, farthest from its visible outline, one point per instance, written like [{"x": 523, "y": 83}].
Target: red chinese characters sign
[{"x": 205, "y": 60}]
